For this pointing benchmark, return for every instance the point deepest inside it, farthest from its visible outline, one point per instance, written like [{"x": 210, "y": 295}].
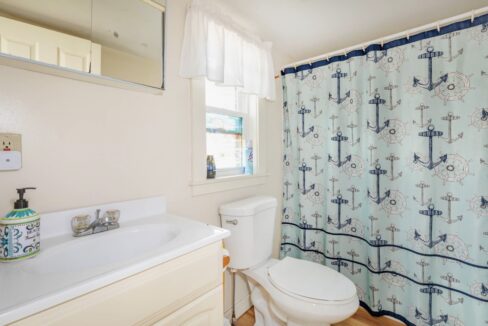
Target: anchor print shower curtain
[{"x": 386, "y": 173}]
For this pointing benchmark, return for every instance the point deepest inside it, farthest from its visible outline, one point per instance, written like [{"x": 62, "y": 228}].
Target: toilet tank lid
[{"x": 249, "y": 206}]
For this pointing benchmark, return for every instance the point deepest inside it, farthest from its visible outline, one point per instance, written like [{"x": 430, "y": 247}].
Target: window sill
[{"x": 227, "y": 183}]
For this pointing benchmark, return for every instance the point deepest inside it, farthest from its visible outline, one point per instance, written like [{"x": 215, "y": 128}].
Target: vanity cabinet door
[{"x": 204, "y": 311}]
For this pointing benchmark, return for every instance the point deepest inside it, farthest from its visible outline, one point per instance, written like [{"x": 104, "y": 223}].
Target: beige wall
[{"x": 85, "y": 144}]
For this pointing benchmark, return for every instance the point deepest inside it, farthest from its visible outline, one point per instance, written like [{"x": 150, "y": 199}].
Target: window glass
[
  {"x": 223, "y": 123},
  {"x": 225, "y": 140}
]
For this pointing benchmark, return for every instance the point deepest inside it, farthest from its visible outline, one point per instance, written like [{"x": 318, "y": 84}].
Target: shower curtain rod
[{"x": 438, "y": 24}]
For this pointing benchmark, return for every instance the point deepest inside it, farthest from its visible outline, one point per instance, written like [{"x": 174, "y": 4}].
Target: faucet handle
[
  {"x": 80, "y": 223},
  {"x": 111, "y": 216}
]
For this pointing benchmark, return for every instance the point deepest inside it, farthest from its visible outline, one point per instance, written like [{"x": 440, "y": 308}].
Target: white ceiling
[{"x": 306, "y": 28}]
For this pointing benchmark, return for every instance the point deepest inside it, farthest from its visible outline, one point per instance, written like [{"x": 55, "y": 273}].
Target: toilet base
[
  {"x": 266, "y": 314},
  {"x": 262, "y": 312}
]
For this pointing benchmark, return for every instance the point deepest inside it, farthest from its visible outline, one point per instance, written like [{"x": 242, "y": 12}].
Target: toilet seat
[{"x": 308, "y": 280}]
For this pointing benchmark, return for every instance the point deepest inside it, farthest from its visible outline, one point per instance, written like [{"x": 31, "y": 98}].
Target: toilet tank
[{"x": 251, "y": 222}]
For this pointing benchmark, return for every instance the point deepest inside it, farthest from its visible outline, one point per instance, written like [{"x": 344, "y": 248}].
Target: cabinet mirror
[{"x": 113, "y": 42}]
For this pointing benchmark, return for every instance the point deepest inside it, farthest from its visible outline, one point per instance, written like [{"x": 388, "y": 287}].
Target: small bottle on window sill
[
  {"x": 249, "y": 164},
  {"x": 211, "y": 169}
]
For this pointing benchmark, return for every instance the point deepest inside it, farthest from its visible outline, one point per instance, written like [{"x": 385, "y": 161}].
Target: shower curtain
[{"x": 386, "y": 172}]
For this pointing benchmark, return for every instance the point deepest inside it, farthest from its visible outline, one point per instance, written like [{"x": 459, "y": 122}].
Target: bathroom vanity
[{"x": 156, "y": 269}]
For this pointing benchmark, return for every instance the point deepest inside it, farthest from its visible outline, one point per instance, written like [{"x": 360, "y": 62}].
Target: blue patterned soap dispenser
[{"x": 20, "y": 231}]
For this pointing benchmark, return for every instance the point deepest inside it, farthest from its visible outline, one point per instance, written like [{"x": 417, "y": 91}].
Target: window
[
  {"x": 230, "y": 120},
  {"x": 226, "y": 124}
]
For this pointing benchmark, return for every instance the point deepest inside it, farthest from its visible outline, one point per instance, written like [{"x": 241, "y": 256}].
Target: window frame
[{"x": 199, "y": 183}]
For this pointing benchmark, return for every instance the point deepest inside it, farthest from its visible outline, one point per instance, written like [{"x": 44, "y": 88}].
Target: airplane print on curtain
[{"x": 386, "y": 172}]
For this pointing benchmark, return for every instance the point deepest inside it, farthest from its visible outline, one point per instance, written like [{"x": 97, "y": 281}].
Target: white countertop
[{"x": 33, "y": 285}]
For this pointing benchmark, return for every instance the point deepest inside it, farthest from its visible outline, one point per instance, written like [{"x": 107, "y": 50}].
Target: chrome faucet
[{"x": 82, "y": 225}]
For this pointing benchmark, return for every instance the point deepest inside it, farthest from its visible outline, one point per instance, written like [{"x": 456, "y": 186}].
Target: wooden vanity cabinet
[{"x": 183, "y": 291}]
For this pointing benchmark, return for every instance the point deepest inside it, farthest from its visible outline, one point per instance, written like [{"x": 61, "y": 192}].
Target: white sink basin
[{"x": 103, "y": 249}]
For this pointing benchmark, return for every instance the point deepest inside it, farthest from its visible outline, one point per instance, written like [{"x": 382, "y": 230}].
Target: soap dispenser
[{"x": 20, "y": 231}]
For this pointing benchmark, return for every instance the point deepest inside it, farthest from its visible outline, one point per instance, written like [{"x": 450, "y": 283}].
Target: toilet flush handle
[{"x": 233, "y": 222}]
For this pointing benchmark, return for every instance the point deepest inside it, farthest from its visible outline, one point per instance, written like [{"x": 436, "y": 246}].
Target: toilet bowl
[
  {"x": 284, "y": 292},
  {"x": 298, "y": 292}
]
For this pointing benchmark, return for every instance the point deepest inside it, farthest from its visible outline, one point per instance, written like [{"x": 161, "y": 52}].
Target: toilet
[{"x": 284, "y": 292}]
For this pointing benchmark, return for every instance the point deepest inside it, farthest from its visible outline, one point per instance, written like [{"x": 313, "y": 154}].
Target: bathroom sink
[
  {"x": 103, "y": 249},
  {"x": 68, "y": 267}
]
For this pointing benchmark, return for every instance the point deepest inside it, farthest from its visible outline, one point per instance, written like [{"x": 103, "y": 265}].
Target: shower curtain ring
[
  {"x": 438, "y": 27},
  {"x": 408, "y": 36},
  {"x": 472, "y": 16}
]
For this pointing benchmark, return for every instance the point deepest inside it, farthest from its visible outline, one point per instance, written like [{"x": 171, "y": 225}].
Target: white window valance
[{"x": 216, "y": 48}]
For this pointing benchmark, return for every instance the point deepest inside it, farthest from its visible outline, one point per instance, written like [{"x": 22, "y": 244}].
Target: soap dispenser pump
[{"x": 20, "y": 231}]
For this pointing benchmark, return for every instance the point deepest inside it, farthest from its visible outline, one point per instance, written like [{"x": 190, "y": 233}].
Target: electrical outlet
[
  {"x": 10, "y": 152},
  {"x": 10, "y": 142}
]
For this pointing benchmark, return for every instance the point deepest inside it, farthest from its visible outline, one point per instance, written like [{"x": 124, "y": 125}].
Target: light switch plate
[{"x": 10, "y": 152}]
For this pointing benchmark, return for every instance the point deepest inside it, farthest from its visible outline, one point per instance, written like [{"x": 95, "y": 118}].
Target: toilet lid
[{"x": 311, "y": 280}]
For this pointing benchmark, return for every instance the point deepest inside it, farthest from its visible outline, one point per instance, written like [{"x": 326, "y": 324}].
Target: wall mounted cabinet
[{"x": 111, "y": 42}]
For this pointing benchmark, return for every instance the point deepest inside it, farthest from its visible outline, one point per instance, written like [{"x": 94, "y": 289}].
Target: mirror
[{"x": 112, "y": 40}]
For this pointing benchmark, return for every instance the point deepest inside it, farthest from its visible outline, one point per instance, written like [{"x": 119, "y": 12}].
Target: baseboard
[{"x": 242, "y": 306}]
